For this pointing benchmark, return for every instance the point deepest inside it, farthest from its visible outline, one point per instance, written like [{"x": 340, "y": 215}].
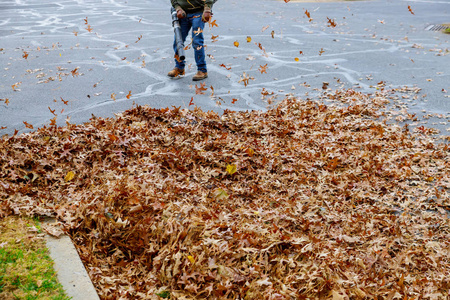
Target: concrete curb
[{"x": 69, "y": 268}]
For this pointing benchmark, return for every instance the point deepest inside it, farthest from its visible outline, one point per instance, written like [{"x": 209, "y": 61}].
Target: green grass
[{"x": 26, "y": 270}]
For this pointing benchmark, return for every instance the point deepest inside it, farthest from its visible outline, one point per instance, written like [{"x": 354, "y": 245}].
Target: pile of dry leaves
[{"x": 306, "y": 200}]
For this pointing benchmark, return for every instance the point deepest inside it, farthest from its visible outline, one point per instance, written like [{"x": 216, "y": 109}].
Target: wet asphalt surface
[{"x": 72, "y": 59}]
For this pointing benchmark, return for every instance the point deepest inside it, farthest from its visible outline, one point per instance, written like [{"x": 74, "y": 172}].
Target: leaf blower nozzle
[{"x": 178, "y": 38}]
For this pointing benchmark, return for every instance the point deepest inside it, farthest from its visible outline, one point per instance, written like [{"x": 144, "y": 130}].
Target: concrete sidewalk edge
[{"x": 70, "y": 270}]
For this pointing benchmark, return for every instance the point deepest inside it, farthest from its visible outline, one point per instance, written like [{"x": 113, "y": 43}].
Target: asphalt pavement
[{"x": 72, "y": 59}]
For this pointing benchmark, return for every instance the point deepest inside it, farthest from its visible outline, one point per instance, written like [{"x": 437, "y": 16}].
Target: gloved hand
[
  {"x": 180, "y": 13},
  {"x": 206, "y": 14}
]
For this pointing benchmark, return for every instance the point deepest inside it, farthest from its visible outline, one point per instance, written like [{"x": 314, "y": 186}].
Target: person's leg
[
  {"x": 185, "y": 25},
  {"x": 198, "y": 42}
]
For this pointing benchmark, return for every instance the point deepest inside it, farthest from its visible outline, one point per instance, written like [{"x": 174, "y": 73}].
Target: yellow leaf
[
  {"x": 191, "y": 259},
  {"x": 297, "y": 59},
  {"x": 231, "y": 169},
  {"x": 250, "y": 152},
  {"x": 220, "y": 194},
  {"x": 70, "y": 175},
  {"x": 236, "y": 44},
  {"x": 249, "y": 39}
]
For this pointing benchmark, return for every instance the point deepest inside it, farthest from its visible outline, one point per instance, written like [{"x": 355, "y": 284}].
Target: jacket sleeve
[
  {"x": 175, "y": 4},
  {"x": 208, "y": 3}
]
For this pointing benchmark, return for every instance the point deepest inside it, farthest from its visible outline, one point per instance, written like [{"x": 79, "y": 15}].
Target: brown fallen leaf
[
  {"x": 199, "y": 90},
  {"x": 53, "y": 229}
]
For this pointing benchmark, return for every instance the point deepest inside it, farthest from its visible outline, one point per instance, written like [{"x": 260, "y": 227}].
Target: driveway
[{"x": 73, "y": 59}]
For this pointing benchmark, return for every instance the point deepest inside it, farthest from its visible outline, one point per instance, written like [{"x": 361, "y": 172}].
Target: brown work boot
[
  {"x": 175, "y": 73},
  {"x": 200, "y": 76}
]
